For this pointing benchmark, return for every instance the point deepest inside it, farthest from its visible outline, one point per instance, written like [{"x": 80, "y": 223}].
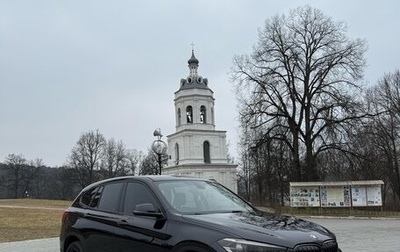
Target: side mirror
[{"x": 147, "y": 209}]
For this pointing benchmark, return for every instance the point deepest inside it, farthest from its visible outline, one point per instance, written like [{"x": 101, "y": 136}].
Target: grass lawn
[{"x": 25, "y": 219}]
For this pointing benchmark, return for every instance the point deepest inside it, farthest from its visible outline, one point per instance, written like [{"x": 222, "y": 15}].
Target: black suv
[{"x": 168, "y": 213}]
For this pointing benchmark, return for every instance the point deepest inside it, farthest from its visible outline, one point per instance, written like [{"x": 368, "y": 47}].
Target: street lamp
[{"x": 159, "y": 147}]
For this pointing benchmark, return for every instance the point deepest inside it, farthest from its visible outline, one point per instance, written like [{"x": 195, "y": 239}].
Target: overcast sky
[{"x": 68, "y": 67}]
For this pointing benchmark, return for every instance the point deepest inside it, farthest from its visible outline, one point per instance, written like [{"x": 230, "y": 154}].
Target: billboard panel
[
  {"x": 304, "y": 196},
  {"x": 335, "y": 196},
  {"x": 374, "y": 196},
  {"x": 359, "y": 195}
]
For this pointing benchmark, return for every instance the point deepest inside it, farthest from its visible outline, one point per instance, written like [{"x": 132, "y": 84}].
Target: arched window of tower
[
  {"x": 212, "y": 116},
  {"x": 176, "y": 153},
  {"x": 179, "y": 116},
  {"x": 189, "y": 114},
  {"x": 206, "y": 152},
  {"x": 203, "y": 118}
]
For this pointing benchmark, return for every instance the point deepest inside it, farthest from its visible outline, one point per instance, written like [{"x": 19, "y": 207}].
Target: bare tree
[
  {"x": 64, "y": 185},
  {"x": 15, "y": 166},
  {"x": 134, "y": 157},
  {"x": 86, "y": 156},
  {"x": 150, "y": 165},
  {"x": 115, "y": 158},
  {"x": 30, "y": 175},
  {"x": 300, "y": 83},
  {"x": 384, "y": 130},
  {"x": 245, "y": 173}
]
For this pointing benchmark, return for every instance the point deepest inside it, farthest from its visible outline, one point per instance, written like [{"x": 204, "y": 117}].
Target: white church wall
[{"x": 191, "y": 135}]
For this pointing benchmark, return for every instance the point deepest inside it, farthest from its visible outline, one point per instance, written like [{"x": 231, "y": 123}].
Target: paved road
[
  {"x": 367, "y": 235},
  {"x": 41, "y": 245},
  {"x": 370, "y": 235}
]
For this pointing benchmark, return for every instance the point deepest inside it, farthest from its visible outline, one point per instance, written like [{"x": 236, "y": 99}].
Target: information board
[
  {"x": 374, "y": 196},
  {"x": 359, "y": 196},
  {"x": 304, "y": 197},
  {"x": 335, "y": 196}
]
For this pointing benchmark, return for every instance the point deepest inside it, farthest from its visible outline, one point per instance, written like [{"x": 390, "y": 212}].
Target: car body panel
[
  {"x": 263, "y": 227},
  {"x": 166, "y": 227},
  {"x": 135, "y": 233},
  {"x": 95, "y": 228}
]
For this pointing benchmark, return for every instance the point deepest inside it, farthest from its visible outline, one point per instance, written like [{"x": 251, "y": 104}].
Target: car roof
[{"x": 144, "y": 178}]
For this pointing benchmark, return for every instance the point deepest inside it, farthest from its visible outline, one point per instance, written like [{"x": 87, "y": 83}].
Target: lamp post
[{"x": 159, "y": 147}]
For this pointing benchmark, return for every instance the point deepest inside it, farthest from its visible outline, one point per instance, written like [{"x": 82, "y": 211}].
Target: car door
[
  {"x": 137, "y": 232},
  {"x": 99, "y": 219}
]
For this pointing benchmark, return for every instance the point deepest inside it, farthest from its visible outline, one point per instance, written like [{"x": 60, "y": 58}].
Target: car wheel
[{"x": 75, "y": 247}]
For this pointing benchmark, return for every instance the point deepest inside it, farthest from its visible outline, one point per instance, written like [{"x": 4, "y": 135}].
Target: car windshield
[{"x": 201, "y": 197}]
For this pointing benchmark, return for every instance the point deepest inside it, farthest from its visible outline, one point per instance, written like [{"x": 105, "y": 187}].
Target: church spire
[
  {"x": 194, "y": 80},
  {"x": 193, "y": 64}
]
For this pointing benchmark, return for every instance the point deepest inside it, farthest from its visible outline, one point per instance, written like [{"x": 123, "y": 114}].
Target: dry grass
[{"x": 25, "y": 219}]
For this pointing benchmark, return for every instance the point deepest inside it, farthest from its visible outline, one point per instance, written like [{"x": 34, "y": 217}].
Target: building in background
[{"x": 197, "y": 149}]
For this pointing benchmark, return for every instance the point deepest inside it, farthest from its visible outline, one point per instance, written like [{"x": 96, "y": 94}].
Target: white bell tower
[{"x": 196, "y": 148}]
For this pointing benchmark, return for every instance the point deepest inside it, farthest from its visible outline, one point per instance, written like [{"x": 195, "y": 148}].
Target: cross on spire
[{"x": 192, "y": 45}]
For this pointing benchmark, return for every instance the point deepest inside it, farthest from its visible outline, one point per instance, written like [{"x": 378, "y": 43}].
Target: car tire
[{"x": 75, "y": 247}]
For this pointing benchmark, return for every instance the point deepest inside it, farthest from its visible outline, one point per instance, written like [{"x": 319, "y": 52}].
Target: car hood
[{"x": 265, "y": 227}]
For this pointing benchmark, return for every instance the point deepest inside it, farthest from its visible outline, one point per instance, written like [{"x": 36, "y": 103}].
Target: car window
[
  {"x": 184, "y": 199},
  {"x": 110, "y": 197},
  {"x": 88, "y": 196},
  {"x": 197, "y": 197},
  {"x": 137, "y": 193},
  {"x": 96, "y": 197}
]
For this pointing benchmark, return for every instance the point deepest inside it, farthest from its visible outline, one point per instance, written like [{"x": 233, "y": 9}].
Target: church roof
[
  {"x": 194, "y": 80},
  {"x": 193, "y": 59}
]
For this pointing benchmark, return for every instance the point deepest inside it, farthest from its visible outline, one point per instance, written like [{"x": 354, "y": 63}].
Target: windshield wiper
[
  {"x": 238, "y": 211},
  {"x": 199, "y": 213}
]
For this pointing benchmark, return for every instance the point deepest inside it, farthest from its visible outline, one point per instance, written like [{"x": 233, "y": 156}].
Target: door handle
[{"x": 122, "y": 223}]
